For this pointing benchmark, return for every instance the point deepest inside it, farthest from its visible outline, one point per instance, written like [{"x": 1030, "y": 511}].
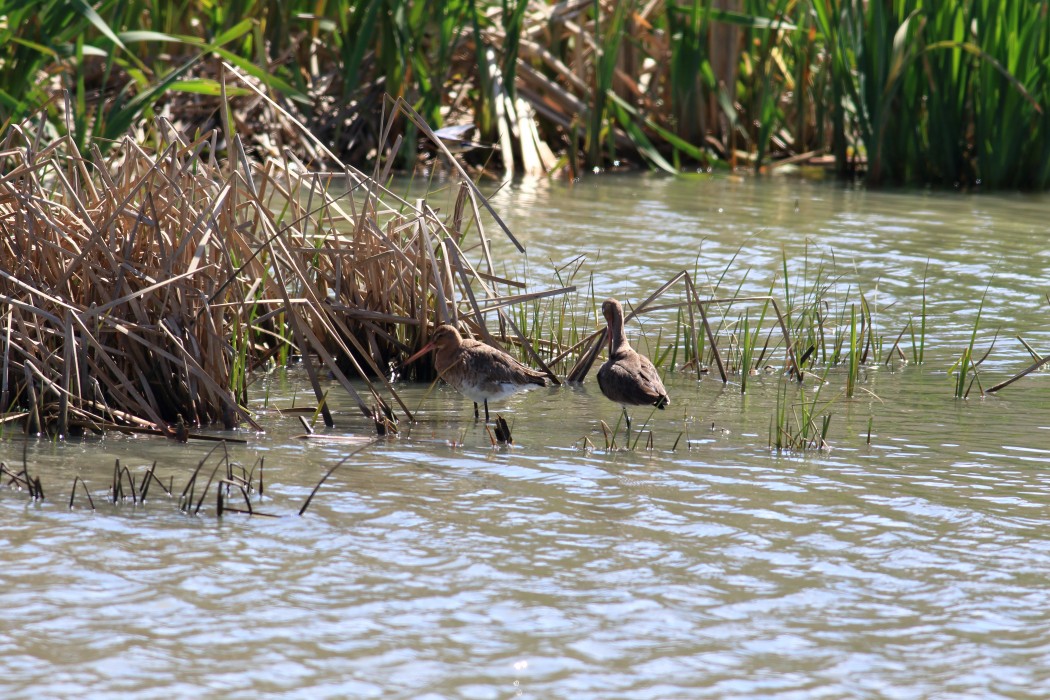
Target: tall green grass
[
  {"x": 965, "y": 368},
  {"x": 949, "y": 93},
  {"x": 910, "y": 91}
]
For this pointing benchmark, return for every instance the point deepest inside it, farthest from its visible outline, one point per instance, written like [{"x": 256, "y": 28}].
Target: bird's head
[{"x": 445, "y": 337}]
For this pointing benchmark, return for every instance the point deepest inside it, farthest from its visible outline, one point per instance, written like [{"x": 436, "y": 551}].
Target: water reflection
[{"x": 435, "y": 566}]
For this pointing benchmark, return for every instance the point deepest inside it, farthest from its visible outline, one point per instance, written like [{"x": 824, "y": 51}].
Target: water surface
[{"x": 433, "y": 565}]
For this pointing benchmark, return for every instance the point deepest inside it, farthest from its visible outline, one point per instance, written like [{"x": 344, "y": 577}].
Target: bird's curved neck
[{"x": 617, "y": 335}]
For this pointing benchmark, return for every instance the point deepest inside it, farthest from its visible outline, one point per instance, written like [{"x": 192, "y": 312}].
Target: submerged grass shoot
[{"x": 799, "y": 425}]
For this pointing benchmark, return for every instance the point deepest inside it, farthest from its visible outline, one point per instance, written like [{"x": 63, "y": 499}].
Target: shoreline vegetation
[
  {"x": 173, "y": 221},
  {"x": 149, "y": 296},
  {"x": 911, "y": 92}
]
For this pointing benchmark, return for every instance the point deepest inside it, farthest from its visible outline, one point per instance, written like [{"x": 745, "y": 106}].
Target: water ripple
[{"x": 434, "y": 566}]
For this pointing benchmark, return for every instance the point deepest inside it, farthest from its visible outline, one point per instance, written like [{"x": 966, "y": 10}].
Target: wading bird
[
  {"x": 627, "y": 377},
  {"x": 478, "y": 371}
]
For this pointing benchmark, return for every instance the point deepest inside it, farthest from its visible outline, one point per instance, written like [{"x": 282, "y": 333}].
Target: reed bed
[
  {"x": 912, "y": 91},
  {"x": 141, "y": 291},
  {"x": 106, "y": 283}
]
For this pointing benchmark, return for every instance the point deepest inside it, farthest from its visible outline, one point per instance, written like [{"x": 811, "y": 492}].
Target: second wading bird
[
  {"x": 478, "y": 371},
  {"x": 628, "y": 377}
]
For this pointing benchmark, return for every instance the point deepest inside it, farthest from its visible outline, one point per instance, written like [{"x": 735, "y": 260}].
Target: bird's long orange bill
[{"x": 426, "y": 348}]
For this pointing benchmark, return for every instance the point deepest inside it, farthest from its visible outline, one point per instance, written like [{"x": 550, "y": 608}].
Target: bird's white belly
[{"x": 490, "y": 391}]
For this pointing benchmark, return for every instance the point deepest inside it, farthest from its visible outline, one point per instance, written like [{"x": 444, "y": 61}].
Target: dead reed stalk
[{"x": 148, "y": 286}]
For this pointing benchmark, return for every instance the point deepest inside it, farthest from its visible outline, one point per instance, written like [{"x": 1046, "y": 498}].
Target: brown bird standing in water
[
  {"x": 627, "y": 377},
  {"x": 478, "y": 371}
]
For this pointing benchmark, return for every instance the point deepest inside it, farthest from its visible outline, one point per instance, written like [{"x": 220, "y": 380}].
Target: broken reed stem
[
  {"x": 123, "y": 473},
  {"x": 1022, "y": 373},
  {"x": 186, "y": 498},
  {"x": 22, "y": 479},
  {"x": 259, "y": 463},
  {"x": 73, "y": 493},
  {"x": 207, "y": 486}
]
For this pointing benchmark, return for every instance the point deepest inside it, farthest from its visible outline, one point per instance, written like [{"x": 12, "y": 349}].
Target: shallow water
[{"x": 433, "y": 565}]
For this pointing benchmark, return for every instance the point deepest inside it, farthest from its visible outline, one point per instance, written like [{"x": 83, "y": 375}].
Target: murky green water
[{"x": 435, "y": 566}]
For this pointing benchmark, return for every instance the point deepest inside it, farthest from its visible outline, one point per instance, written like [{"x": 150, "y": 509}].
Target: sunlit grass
[{"x": 914, "y": 91}]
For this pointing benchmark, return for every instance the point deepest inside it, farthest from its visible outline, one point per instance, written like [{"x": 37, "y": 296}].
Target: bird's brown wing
[
  {"x": 631, "y": 379},
  {"x": 497, "y": 365}
]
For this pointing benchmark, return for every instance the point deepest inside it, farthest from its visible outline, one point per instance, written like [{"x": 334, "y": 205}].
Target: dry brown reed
[
  {"x": 104, "y": 275},
  {"x": 142, "y": 290}
]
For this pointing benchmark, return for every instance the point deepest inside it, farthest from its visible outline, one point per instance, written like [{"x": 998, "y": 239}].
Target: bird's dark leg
[
  {"x": 486, "y": 410},
  {"x": 628, "y": 419},
  {"x": 476, "y": 410}
]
